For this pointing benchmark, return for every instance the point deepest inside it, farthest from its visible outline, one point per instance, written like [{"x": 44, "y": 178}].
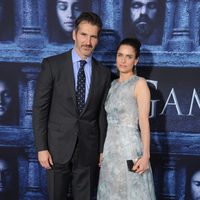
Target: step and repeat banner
[{"x": 170, "y": 61}]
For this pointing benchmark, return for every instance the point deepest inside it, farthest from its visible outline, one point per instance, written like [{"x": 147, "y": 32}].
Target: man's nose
[
  {"x": 144, "y": 9},
  {"x": 88, "y": 40}
]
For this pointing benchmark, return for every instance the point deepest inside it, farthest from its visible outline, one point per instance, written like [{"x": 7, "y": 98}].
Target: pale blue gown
[{"x": 123, "y": 142}]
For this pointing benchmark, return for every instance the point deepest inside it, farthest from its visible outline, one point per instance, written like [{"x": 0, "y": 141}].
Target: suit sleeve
[
  {"x": 41, "y": 106},
  {"x": 103, "y": 117}
]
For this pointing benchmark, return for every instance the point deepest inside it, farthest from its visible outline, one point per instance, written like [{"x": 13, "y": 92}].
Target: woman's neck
[{"x": 124, "y": 77}]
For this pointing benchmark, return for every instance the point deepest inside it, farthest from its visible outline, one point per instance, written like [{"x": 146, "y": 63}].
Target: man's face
[
  {"x": 85, "y": 38},
  {"x": 5, "y": 98},
  {"x": 143, "y": 15},
  {"x": 67, "y": 12},
  {"x": 5, "y": 177},
  {"x": 195, "y": 186}
]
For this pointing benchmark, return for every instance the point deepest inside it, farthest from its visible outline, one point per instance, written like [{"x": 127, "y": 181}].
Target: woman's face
[
  {"x": 126, "y": 59},
  {"x": 5, "y": 98},
  {"x": 67, "y": 12},
  {"x": 195, "y": 186}
]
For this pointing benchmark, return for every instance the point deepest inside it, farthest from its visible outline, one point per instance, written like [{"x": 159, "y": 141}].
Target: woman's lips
[{"x": 122, "y": 66}]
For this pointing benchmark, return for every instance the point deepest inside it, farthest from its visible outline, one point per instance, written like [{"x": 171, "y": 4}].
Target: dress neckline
[{"x": 125, "y": 81}]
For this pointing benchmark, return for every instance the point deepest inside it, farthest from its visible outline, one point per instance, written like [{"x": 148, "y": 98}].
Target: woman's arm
[{"x": 142, "y": 95}]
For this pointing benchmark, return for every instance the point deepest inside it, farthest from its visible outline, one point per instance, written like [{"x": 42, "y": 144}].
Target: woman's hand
[
  {"x": 141, "y": 165},
  {"x": 100, "y": 159}
]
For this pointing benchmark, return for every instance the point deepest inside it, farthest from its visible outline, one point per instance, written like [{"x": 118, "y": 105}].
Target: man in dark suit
[{"x": 69, "y": 131}]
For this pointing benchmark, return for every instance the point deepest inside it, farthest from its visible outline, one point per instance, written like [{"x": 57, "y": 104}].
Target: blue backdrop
[{"x": 30, "y": 30}]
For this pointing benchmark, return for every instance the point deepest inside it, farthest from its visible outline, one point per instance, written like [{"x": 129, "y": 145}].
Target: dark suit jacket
[{"x": 56, "y": 122}]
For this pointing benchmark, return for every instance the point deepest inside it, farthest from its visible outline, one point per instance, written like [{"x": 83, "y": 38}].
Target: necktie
[{"x": 80, "y": 92}]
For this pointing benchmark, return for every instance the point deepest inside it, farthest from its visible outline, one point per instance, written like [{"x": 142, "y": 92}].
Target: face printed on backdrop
[
  {"x": 67, "y": 11},
  {"x": 5, "y": 98},
  {"x": 143, "y": 15}
]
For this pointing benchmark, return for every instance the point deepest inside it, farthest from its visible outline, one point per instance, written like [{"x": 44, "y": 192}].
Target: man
[
  {"x": 68, "y": 115},
  {"x": 145, "y": 15}
]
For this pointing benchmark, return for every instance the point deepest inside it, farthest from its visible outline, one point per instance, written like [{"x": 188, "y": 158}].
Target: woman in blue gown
[{"x": 128, "y": 133}]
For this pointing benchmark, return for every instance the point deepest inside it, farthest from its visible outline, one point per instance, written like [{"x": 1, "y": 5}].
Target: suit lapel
[{"x": 70, "y": 75}]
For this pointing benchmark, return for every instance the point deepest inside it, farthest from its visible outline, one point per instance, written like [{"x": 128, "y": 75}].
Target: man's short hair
[{"x": 91, "y": 18}]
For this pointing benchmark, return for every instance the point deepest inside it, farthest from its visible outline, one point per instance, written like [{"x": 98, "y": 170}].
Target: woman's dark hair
[
  {"x": 133, "y": 42},
  {"x": 90, "y": 17}
]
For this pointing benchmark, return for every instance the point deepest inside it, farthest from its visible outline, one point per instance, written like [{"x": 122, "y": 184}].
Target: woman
[
  {"x": 66, "y": 12},
  {"x": 127, "y": 106}
]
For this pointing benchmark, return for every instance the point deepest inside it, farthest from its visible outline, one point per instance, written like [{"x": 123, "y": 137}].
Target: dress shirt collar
[{"x": 76, "y": 58}]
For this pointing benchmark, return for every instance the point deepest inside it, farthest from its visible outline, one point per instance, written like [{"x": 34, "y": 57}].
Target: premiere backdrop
[{"x": 170, "y": 61}]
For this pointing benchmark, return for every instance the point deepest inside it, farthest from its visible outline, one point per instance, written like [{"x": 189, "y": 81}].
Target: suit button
[{"x": 75, "y": 133}]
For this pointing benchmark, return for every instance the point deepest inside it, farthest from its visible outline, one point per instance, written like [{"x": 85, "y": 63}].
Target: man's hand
[{"x": 45, "y": 159}]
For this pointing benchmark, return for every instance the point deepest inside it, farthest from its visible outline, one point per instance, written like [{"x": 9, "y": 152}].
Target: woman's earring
[{"x": 134, "y": 69}]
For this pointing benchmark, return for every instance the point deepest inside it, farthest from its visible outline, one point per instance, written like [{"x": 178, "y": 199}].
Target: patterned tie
[{"x": 80, "y": 92}]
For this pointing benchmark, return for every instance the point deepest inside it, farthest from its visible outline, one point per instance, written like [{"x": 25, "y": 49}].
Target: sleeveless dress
[{"x": 123, "y": 142}]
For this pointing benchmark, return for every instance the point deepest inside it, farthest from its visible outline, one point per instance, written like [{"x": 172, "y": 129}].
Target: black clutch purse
[{"x": 130, "y": 164}]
